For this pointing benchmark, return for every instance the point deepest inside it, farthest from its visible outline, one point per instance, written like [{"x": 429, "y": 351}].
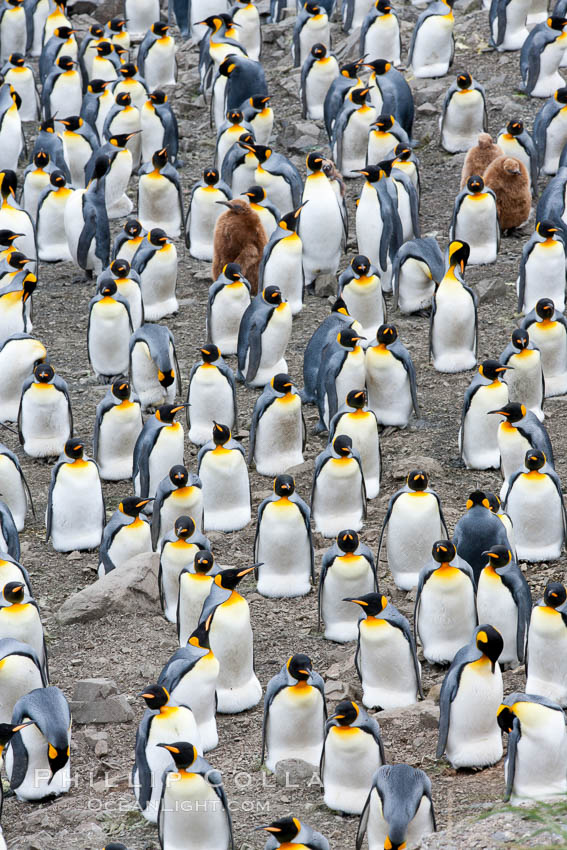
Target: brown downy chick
[
  {"x": 509, "y": 180},
  {"x": 479, "y": 157},
  {"x": 239, "y": 237}
]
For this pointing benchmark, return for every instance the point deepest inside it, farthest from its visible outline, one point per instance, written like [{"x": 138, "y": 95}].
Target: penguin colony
[{"x": 91, "y": 176}]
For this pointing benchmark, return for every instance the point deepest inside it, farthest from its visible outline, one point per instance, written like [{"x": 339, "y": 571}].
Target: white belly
[
  {"x": 495, "y": 605},
  {"x": 480, "y": 439},
  {"x": 337, "y": 497},
  {"x": 362, "y": 429},
  {"x": 194, "y": 818},
  {"x": 45, "y": 421},
  {"x": 355, "y": 141},
  {"x": 453, "y": 336},
  {"x": 386, "y": 666},
  {"x": 525, "y": 381},
  {"x": 317, "y": 86},
  {"x": 541, "y": 753},
  {"x": 109, "y": 335},
  {"x": 365, "y": 303},
  {"x": 447, "y": 616},
  {"x": 130, "y": 541},
  {"x": 158, "y": 281},
  {"x": 51, "y": 237},
  {"x": 210, "y": 397},
  {"x": 77, "y": 509},
  {"x": 545, "y": 276},
  {"x": 118, "y": 433},
  {"x": 295, "y": 726},
  {"x": 413, "y": 528},
  {"x": 547, "y": 669},
  {"x": 433, "y": 46},
  {"x": 185, "y": 501},
  {"x": 534, "y": 506},
  {"x": 478, "y": 222},
  {"x": 232, "y": 643},
  {"x": 158, "y": 205},
  {"x": 226, "y": 491},
  {"x": 117, "y": 202},
  {"x": 145, "y": 378},
  {"x": 463, "y": 121},
  {"x": 193, "y": 590},
  {"x": 555, "y": 140},
  {"x": 197, "y": 690},
  {"x": 279, "y": 437},
  {"x": 382, "y": 40},
  {"x": 18, "y": 676},
  {"x": 351, "y": 758},
  {"x": 474, "y": 738},
  {"x": 415, "y": 286},
  {"x": 38, "y": 782},
  {"x": 348, "y": 576},
  {"x": 166, "y": 452},
  {"x": 320, "y": 229},
  {"x": 274, "y": 342},
  {"x": 388, "y": 384},
  {"x": 549, "y": 78},
  {"x": 551, "y": 339},
  {"x": 228, "y": 308},
  {"x": 283, "y": 549},
  {"x": 285, "y": 270},
  {"x": 12, "y": 493}
]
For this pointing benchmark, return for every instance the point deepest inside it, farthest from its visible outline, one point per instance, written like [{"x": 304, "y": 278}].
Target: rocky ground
[{"x": 129, "y": 648}]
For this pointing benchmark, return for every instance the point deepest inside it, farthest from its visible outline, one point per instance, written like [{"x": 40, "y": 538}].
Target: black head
[
  {"x": 384, "y": 122},
  {"x": 256, "y": 194},
  {"x": 515, "y": 128},
  {"x": 520, "y": 338},
  {"x": 512, "y": 412},
  {"x": 232, "y": 272},
  {"x": 123, "y": 99},
  {"x": 234, "y": 116},
  {"x": 535, "y": 460},
  {"x": 231, "y": 578},
  {"x": 379, "y": 66},
  {"x": 166, "y": 412},
  {"x": 346, "y": 713},
  {"x": 556, "y": 23},
  {"x": 546, "y": 229},
  {"x": 475, "y": 184},
  {"x": 554, "y": 594},
  {"x": 104, "y": 49},
  {"x": 443, "y": 551},
  {"x": 417, "y": 480},
  {"x": 120, "y": 268},
  {"x": 43, "y": 373},
  {"x": 66, "y": 63},
  {"x": 339, "y": 306},
  {"x": 402, "y": 152},
  {"x": 121, "y": 389},
  {"x": 360, "y": 265},
  {"x": 96, "y": 30},
  {"x": 545, "y": 308},
  {"x": 157, "y": 237},
  {"x": 459, "y": 253},
  {"x": 14, "y": 592},
  {"x": 9, "y": 183},
  {"x": 200, "y": 636},
  {"x": 109, "y": 289},
  {"x": 102, "y": 164},
  {"x": 493, "y": 501},
  {"x": 7, "y": 730},
  {"x": 133, "y": 505},
  {"x": 17, "y": 60},
  {"x": 284, "y": 486},
  {"x": 57, "y": 757},
  {"x": 210, "y": 353},
  {"x": 41, "y": 159},
  {"x": 358, "y": 96},
  {"x": 17, "y": 260},
  {"x": 57, "y": 180},
  {"x": 347, "y": 541},
  {"x": 282, "y": 383},
  {"x": 160, "y": 29},
  {"x": 315, "y": 161},
  {"x": 183, "y": 753},
  {"x": 371, "y": 603},
  {"x": 492, "y": 369},
  {"x": 260, "y": 101},
  {"x": 561, "y": 95},
  {"x": 300, "y": 667},
  {"x": 319, "y": 51},
  {"x": 498, "y": 556},
  {"x": 116, "y": 24},
  {"x": 178, "y": 475},
  {"x": 386, "y": 334},
  {"x": 184, "y": 527},
  {"x": 211, "y": 176},
  {"x": 477, "y": 499},
  {"x": 356, "y": 399},
  {"x": 272, "y": 295},
  {"x": 156, "y": 696},
  {"x": 284, "y": 830},
  {"x": 489, "y": 642},
  {"x": 203, "y": 561},
  {"x": 464, "y": 80},
  {"x": 221, "y": 434},
  {"x": 158, "y": 97},
  {"x": 74, "y": 448},
  {"x": 160, "y": 158},
  {"x": 98, "y": 86},
  {"x": 349, "y": 338},
  {"x": 342, "y": 445}
]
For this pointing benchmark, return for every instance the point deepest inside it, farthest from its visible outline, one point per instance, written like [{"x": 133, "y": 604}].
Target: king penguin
[
  {"x": 464, "y": 114},
  {"x": 347, "y": 569},
  {"x": 263, "y": 335},
  {"x": 157, "y": 449},
  {"x": 390, "y": 379},
  {"x": 478, "y": 434},
  {"x": 277, "y": 428},
  {"x": 153, "y": 365},
  {"x": 126, "y": 535},
  {"x": 177, "y": 494},
  {"x": 547, "y": 639},
  {"x": 45, "y": 418},
  {"x": 360, "y": 424},
  {"x": 282, "y": 261},
  {"x": 226, "y": 485},
  {"x": 203, "y": 212},
  {"x": 179, "y": 549},
  {"x": 432, "y": 45},
  {"x": 338, "y": 495},
  {"x": 195, "y": 584},
  {"x": 475, "y": 218},
  {"x": 547, "y": 328},
  {"x": 229, "y": 298},
  {"x": 525, "y": 375},
  {"x": 454, "y": 320},
  {"x": 211, "y": 395},
  {"x": 118, "y": 423}
]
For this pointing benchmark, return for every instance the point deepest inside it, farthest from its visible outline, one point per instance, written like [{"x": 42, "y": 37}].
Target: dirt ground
[{"x": 132, "y": 650}]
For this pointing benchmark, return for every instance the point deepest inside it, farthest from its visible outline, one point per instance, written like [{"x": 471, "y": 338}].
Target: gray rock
[
  {"x": 88, "y": 690},
  {"x": 425, "y": 714},
  {"x": 290, "y": 772},
  {"x": 131, "y": 589},
  {"x": 303, "y": 143},
  {"x": 113, "y": 709},
  {"x": 427, "y": 109},
  {"x": 325, "y": 284},
  {"x": 401, "y": 469},
  {"x": 489, "y": 290},
  {"x": 335, "y": 690}
]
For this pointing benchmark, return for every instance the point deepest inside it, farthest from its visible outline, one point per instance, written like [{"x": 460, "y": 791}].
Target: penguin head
[
  {"x": 260, "y": 101},
  {"x": 561, "y": 95},
  {"x": 256, "y": 194},
  {"x": 132, "y": 505},
  {"x": 65, "y": 33},
  {"x": 7, "y": 237},
  {"x": 43, "y": 373},
  {"x": 183, "y": 753},
  {"x": 246, "y": 141},
  {"x": 515, "y": 128},
  {"x": 349, "y": 338},
  {"x": 386, "y": 334},
  {"x": 556, "y": 23},
  {"x": 234, "y": 116},
  {"x": 132, "y": 228},
  {"x": 554, "y": 594},
  {"x": 261, "y": 152},
  {"x": 74, "y": 449},
  {"x": 232, "y": 272},
  {"x": 157, "y": 237},
  {"x": 535, "y": 460},
  {"x": 347, "y": 541},
  {"x": 384, "y": 123},
  {"x": 203, "y": 561},
  {"x": 383, "y": 6},
  {"x": 17, "y": 60},
  {"x": 282, "y": 383},
  {"x": 475, "y": 184},
  {"x": 272, "y": 295},
  {"x": 29, "y": 285},
  {"x": 506, "y": 718},
  {"x": 120, "y": 140},
  {"x": 371, "y": 603},
  {"x": 115, "y": 846},
  {"x": 96, "y": 30},
  {"x": 315, "y": 161},
  {"x": 159, "y": 28},
  {"x": 178, "y": 475},
  {"x": 351, "y": 70},
  {"x": 291, "y": 220},
  {"x": 211, "y": 176},
  {"x": 210, "y": 353},
  {"x": 47, "y": 126},
  {"x": 13, "y": 592},
  {"x": 8, "y": 183},
  {"x": 373, "y": 173},
  {"x": 379, "y": 66},
  {"x": 339, "y": 306},
  {"x": 358, "y": 96},
  {"x": 417, "y": 480},
  {"x": 57, "y": 757},
  {"x": 520, "y": 339},
  {"x": 17, "y": 260},
  {"x": 512, "y": 412},
  {"x": 464, "y": 80},
  {"x": 7, "y": 730},
  {"x": 492, "y": 369},
  {"x": 443, "y": 551},
  {"x": 489, "y": 641},
  {"x": 160, "y": 158},
  {"x": 312, "y": 9},
  {"x": 493, "y": 501},
  {"x": 299, "y": 667},
  {"x": 342, "y": 445},
  {"x": 98, "y": 86},
  {"x": 498, "y": 556},
  {"x": 108, "y": 289},
  {"x": 459, "y": 254},
  {"x": 66, "y": 63},
  {"x": 221, "y": 434},
  {"x": 200, "y": 636},
  {"x": 346, "y": 713},
  {"x": 120, "y": 268},
  {"x": 284, "y": 830},
  {"x": 356, "y": 399},
  {"x": 360, "y": 265},
  {"x": 184, "y": 527},
  {"x": 214, "y": 22},
  {"x": 166, "y": 412},
  {"x": 545, "y": 308},
  {"x": 229, "y": 65},
  {"x": 102, "y": 164},
  {"x": 318, "y": 51},
  {"x": 477, "y": 499},
  {"x": 156, "y": 696},
  {"x": 402, "y": 152},
  {"x": 116, "y": 24},
  {"x": 72, "y": 122},
  {"x": 58, "y": 180},
  {"x": 230, "y": 578},
  {"x": 123, "y": 99},
  {"x": 546, "y": 229},
  {"x": 158, "y": 97},
  {"x": 284, "y": 486},
  {"x": 41, "y": 159},
  {"x": 121, "y": 389},
  {"x": 104, "y": 48}
]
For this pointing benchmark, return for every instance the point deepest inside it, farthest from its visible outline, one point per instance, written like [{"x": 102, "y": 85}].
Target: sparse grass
[{"x": 550, "y": 814}]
